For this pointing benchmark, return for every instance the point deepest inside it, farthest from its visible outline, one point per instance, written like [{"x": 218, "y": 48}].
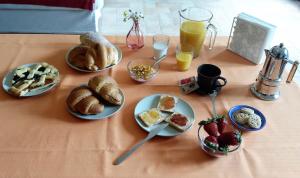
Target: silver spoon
[
  {"x": 151, "y": 134},
  {"x": 213, "y": 96},
  {"x": 159, "y": 60}
]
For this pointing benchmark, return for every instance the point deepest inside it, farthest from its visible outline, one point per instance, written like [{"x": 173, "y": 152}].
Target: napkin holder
[{"x": 249, "y": 36}]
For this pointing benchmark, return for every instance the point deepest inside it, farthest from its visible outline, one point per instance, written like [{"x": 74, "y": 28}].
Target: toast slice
[
  {"x": 167, "y": 103},
  {"x": 151, "y": 117},
  {"x": 179, "y": 121}
]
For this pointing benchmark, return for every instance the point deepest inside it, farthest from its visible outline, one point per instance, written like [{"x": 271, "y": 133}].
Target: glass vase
[{"x": 135, "y": 37}]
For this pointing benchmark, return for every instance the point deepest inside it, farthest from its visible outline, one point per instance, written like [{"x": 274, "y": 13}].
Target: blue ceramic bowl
[{"x": 244, "y": 127}]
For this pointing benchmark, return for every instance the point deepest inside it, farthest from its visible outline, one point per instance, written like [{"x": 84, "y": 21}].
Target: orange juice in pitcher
[{"x": 194, "y": 23}]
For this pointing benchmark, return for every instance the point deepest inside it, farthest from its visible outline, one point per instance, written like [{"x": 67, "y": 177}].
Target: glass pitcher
[{"x": 194, "y": 23}]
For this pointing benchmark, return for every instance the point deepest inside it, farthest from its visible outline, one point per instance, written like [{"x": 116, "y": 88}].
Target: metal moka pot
[{"x": 269, "y": 79}]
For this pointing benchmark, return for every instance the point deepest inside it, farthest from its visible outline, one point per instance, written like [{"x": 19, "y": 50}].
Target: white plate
[
  {"x": 152, "y": 102},
  {"x": 6, "y": 84},
  {"x": 90, "y": 71},
  {"x": 109, "y": 110}
]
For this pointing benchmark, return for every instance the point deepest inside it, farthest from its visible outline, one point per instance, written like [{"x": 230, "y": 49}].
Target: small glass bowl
[
  {"x": 210, "y": 151},
  {"x": 142, "y": 70}
]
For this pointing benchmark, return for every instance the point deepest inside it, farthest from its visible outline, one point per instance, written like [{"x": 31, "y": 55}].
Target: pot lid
[{"x": 280, "y": 52}]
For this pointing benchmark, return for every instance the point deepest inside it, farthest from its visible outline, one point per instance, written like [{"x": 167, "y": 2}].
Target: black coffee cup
[{"x": 209, "y": 78}]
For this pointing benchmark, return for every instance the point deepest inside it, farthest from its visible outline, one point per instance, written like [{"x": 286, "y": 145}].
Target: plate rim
[
  {"x": 47, "y": 89},
  {"x": 81, "y": 116},
  {"x": 239, "y": 126},
  {"x": 90, "y": 71},
  {"x": 139, "y": 122}
]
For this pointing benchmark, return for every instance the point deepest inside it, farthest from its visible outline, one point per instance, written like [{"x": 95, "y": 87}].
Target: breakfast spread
[
  {"x": 27, "y": 78},
  {"x": 179, "y": 121},
  {"x": 167, "y": 103},
  {"x": 92, "y": 99},
  {"x": 218, "y": 139},
  {"x": 151, "y": 117},
  {"x": 94, "y": 53},
  {"x": 142, "y": 71},
  {"x": 247, "y": 117}
]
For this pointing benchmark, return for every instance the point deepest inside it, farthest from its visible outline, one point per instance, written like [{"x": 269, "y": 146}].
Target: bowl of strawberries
[{"x": 217, "y": 138}]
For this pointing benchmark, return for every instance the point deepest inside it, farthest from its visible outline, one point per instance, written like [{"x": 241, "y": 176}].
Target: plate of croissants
[
  {"x": 94, "y": 54},
  {"x": 31, "y": 79},
  {"x": 100, "y": 99}
]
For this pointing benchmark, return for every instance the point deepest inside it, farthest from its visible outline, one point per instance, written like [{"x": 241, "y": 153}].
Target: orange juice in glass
[
  {"x": 184, "y": 58},
  {"x": 194, "y": 23}
]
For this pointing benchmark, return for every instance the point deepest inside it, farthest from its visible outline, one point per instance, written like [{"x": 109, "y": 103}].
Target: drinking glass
[
  {"x": 184, "y": 57},
  {"x": 160, "y": 45}
]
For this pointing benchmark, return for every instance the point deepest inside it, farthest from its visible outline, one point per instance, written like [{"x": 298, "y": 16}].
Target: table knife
[{"x": 151, "y": 134}]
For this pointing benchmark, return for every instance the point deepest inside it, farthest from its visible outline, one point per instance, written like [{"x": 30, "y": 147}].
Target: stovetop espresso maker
[{"x": 269, "y": 79}]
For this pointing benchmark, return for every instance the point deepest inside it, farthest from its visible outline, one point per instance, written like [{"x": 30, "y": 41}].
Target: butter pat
[{"x": 151, "y": 117}]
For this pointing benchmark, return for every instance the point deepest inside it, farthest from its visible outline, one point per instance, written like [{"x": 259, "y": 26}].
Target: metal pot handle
[
  {"x": 292, "y": 72},
  {"x": 213, "y": 34}
]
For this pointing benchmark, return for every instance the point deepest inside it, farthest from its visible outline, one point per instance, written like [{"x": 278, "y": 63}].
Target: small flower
[{"x": 135, "y": 16}]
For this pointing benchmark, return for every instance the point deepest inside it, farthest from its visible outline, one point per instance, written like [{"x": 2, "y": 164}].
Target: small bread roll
[
  {"x": 242, "y": 118},
  {"x": 254, "y": 121},
  {"x": 247, "y": 111},
  {"x": 90, "y": 39}
]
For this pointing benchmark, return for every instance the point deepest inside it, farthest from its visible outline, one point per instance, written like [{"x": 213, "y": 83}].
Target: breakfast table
[{"x": 39, "y": 138}]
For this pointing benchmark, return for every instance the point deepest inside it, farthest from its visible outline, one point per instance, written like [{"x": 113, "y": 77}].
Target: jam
[
  {"x": 168, "y": 102},
  {"x": 179, "y": 119},
  {"x": 185, "y": 81}
]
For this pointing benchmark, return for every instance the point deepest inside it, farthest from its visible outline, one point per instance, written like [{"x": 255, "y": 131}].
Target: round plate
[
  {"x": 109, "y": 110},
  {"x": 6, "y": 84},
  {"x": 152, "y": 102},
  {"x": 243, "y": 127},
  {"x": 90, "y": 71}
]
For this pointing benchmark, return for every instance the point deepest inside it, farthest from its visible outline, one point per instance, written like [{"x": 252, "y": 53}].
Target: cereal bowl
[{"x": 142, "y": 70}]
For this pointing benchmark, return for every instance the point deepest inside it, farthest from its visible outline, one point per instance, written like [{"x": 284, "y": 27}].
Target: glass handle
[{"x": 213, "y": 34}]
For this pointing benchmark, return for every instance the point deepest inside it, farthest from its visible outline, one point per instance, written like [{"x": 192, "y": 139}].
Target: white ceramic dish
[
  {"x": 90, "y": 71},
  {"x": 109, "y": 110},
  {"x": 6, "y": 84},
  {"x": 151, "y": 102}
]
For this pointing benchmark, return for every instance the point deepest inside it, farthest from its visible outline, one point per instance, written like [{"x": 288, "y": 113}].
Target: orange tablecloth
[{"x": 40, "y": 139}]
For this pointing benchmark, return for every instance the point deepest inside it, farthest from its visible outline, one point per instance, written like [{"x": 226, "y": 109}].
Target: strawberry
[
  {"x": 210, "y": 126},
  {"x": 221, "y": 125},
  {"x": 212, "y": 142},
  {"x": 229, "y": 138}
]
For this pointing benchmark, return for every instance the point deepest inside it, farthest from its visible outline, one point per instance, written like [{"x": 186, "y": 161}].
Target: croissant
[
  {"x": 106, "y": 53},
  {"x": 83, "y": 56},
  {"x": 81, "y": 100},
  {"x": 107, "y": 88}
]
